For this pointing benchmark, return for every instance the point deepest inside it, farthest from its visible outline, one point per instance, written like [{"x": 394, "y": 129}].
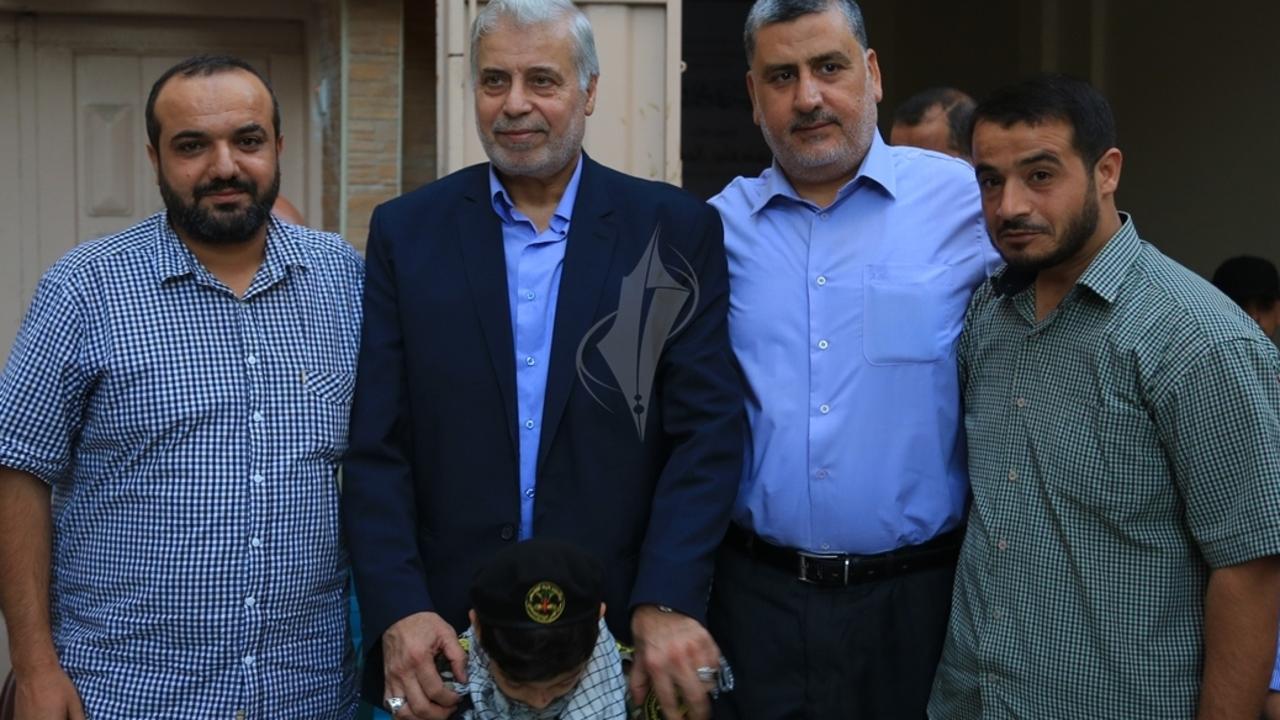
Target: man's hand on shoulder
[
  {"x": 46, "y": 693},
  {"x": 409, "y": 650},
  {"x": 670, "y": 647}
]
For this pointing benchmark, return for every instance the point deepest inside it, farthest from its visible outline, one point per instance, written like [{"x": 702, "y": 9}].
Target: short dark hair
[
  {"x": 204, "y": 66},
  {"x": 1252, "y": 282},
  {"x": 538, "y": 654},
  {"x": 957, "y": 105},
  {"x": 1050, "y": 97},
  {"x": 768, "y": 12}
]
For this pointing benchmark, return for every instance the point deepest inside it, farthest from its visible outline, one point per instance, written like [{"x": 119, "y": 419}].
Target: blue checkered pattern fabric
[{"x": 192, "y": 440}]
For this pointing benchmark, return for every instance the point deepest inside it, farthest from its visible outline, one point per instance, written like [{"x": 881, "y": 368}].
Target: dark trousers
[{"x": 866, "y": 651}]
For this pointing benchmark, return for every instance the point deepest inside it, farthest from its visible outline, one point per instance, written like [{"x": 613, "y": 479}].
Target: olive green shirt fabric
[{"x": 1119, "y": 450}]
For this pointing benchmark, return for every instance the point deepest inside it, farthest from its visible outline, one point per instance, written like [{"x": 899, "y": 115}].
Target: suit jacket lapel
[
  {"x": 480, "y": 239},
  {"x": 587, "y": 267}
]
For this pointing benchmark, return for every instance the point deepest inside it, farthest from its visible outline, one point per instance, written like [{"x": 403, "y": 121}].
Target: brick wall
[
  {"x": 374, "y": 35},
  {"x": 329, "y": 20}
]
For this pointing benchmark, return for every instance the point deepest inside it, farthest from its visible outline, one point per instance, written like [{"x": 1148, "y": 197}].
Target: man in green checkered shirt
[{"x": 1123, "y": 422}]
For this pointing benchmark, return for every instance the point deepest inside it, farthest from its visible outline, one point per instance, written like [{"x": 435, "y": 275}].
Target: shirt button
[
  {"x": 1002, "y": 545},
  {"x": 530, "y": 295},
  {"x": 528, "y": 424},
  {"x": 530, "y": 361},
  {"x": 824, "y": 216},
  {"x": 824, "y": 408},
  {"x": 823, "y": 344},
  {"x": 1013, "y": 476},
  {"x": 529, "y": 493},
  {"x": 822, "y": 280},
  {"x": 257, "y": 417},
  {"x": 507, "y": 532},
  {"x": 826, "y": 546},
  {"x": 252, "y": 360},
  {"x": 250, "y": 602},
  {"x": 1020, "y": 402},
  {"x": 257, "y": 478},
  {"x": 822, "y": 474},
  {"x": 256, "y": 542},
  {"x": 996, "y": 614},
  {"x": 248, "y": 660}
]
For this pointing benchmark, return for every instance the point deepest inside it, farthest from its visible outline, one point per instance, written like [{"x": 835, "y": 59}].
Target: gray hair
[
  {"x": 525, "y": 13},
  {"x": 768, "y": 12}
]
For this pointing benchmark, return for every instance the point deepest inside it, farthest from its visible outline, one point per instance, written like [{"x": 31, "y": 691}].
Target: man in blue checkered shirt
[{"x": 171, "y": 421}]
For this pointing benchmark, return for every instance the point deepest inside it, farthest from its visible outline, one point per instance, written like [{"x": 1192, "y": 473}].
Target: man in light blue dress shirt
[{"x": 851, "y": 263}]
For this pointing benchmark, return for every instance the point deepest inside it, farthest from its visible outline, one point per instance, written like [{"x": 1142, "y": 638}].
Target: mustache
[
  {"x": 217, "y": 186},
  {"x": 504, "y": 125},
  {"x": 815, "y": 117},
  {"x": 1020, "y": 225}
]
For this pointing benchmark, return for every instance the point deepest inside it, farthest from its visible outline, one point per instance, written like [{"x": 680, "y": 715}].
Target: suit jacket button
[{"x": 508, "y": 532}]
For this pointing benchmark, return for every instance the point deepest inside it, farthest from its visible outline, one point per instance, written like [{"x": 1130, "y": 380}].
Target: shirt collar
[
  {"x": 173, "y": 259},
  {"x": 506, "y": 208},
  {"x": 876, "y": 167},
  {"x": 1104, "y": 276},
  {"x": 600, "y": 692}
]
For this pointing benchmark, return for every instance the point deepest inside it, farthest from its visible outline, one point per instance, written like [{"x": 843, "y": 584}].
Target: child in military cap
[{"x": 538, "y": 647}]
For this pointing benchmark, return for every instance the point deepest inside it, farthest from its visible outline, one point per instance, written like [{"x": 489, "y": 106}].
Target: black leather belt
[{"x": 842, "y": 570}]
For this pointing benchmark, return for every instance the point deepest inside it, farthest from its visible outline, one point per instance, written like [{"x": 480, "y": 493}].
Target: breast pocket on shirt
[
  {"x": 327, "y": 395},
  {"x": 1107, "y": 461},
  {"x": 910, "y": 314}
]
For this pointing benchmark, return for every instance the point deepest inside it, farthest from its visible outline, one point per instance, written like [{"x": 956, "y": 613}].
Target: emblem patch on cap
[{"x": 544, "y": 603}]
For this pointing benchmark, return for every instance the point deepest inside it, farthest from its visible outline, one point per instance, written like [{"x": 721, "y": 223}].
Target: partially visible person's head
[
  {"x": 1254, "y": 285},
  {"x": 287, "y": 211},
  {"x": 213, "y": 124},
  {"x": 934, "y": 119},
  {"x": 534, "y": 71},
  {"x": 536, "y": 609},
  {"x": 814, "y": 84},
  {"x": 1048, "y": 169}
]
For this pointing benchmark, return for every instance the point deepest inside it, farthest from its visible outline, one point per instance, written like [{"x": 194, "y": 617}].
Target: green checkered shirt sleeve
[{"x": 1219, "y": 420}]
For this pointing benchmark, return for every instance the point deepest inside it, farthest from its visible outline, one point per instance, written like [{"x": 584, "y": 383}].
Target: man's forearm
[
  {"x": 25, "y": 528},
  {"x": 1240, "y": 612}
]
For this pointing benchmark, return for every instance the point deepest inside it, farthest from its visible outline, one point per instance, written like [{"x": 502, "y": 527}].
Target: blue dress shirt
[
  {"x": 844, "y": 320},
  {"x": 534, "y": 263}
]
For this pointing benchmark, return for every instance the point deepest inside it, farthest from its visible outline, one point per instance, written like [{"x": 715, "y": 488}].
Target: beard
[
  {"x": 543, "y": 162},
  {"x": 217, "y": 226},
  {"x": 808, "y": 164},
  {"x": 1077, "y": 232}
]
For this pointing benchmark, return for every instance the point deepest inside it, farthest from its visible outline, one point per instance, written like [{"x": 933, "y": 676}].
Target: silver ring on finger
[
  {"x": 394, "y": 704},
  {"x": 707, "y": 674}
]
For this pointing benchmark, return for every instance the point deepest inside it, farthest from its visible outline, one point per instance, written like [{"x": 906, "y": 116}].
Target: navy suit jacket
[{"x": 431, "y": 479}]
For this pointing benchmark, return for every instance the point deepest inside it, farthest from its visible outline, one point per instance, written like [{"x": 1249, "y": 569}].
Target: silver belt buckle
[{"x": 805, "y": 557}]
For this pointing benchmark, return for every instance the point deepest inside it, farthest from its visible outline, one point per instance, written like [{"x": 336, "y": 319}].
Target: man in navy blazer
[{"x": 545, "y": 353}]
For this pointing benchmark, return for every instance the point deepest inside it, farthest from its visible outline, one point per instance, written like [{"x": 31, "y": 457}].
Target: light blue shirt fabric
[
  {"x": 535, "y": 261},
  {"x": 844, "y": 320},
  {"x": 1275, "y": 675}
]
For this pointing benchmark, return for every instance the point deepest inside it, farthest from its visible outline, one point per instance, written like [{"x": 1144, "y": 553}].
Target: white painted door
[{"x": 73, "y": 92}]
